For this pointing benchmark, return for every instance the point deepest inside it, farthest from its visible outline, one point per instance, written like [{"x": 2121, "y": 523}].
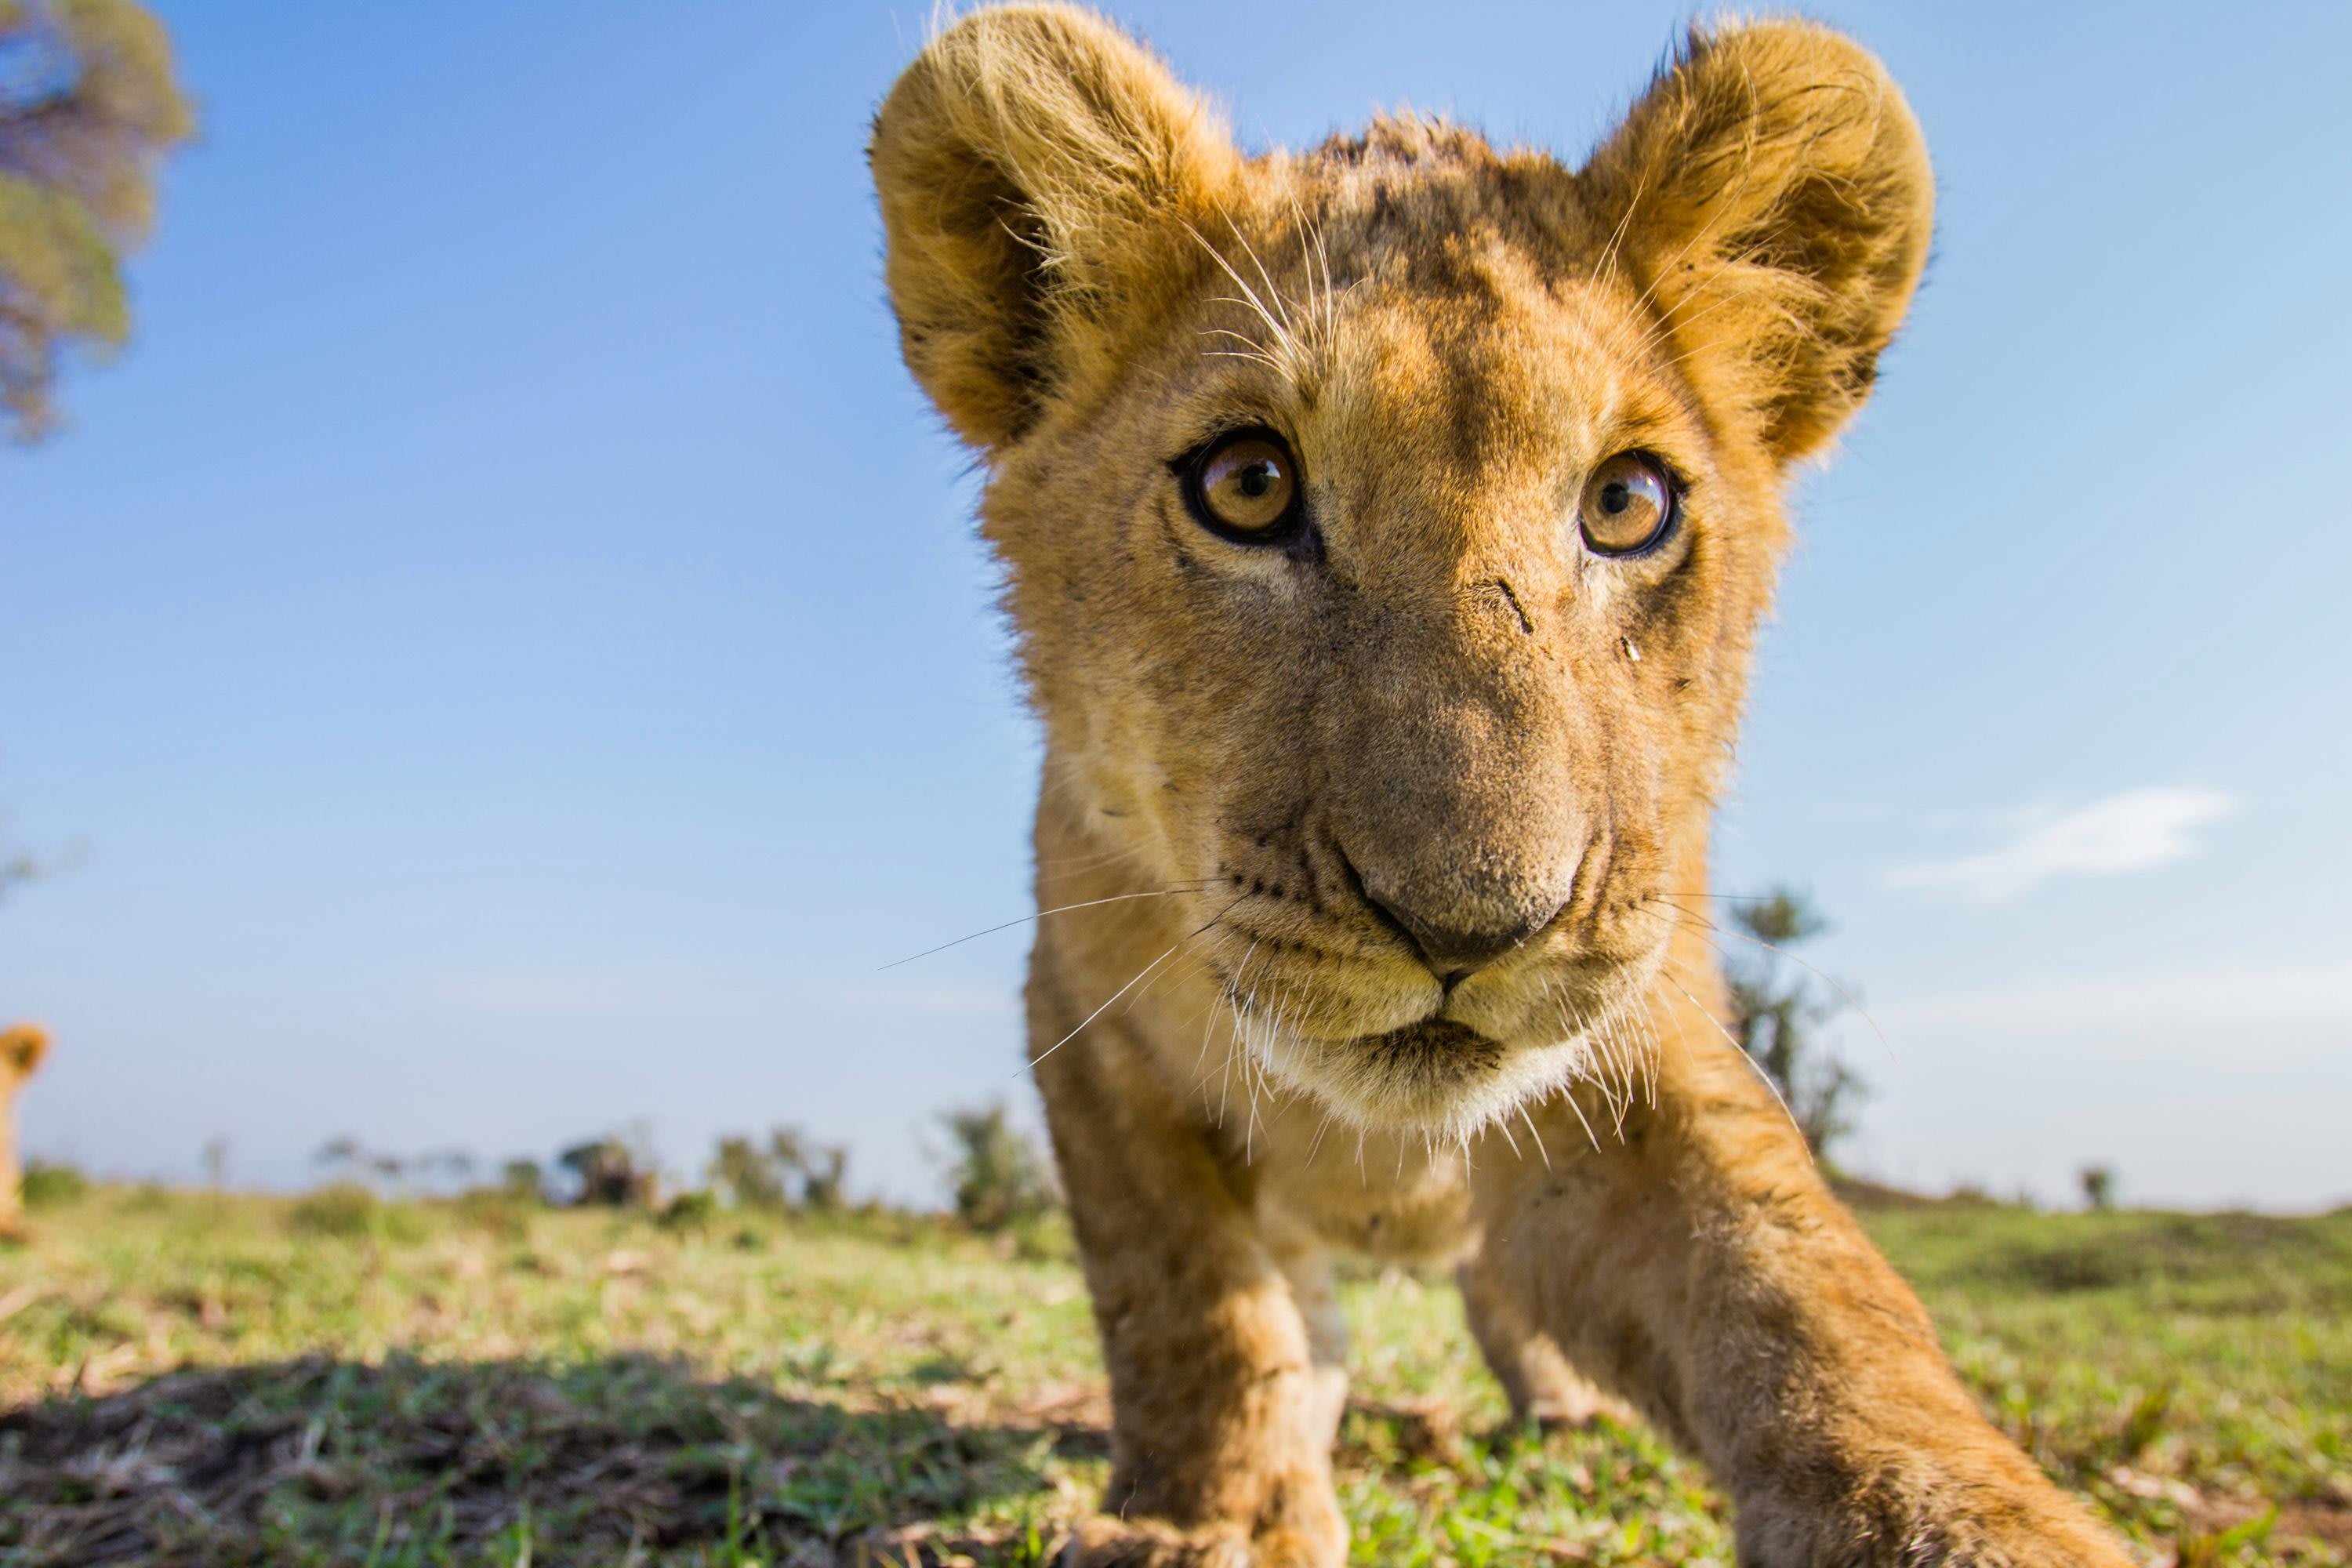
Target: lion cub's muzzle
[
  {"x": 1431, "y": 969},
  {"x": 1454, "y": 906},
  {"x": 1453, "y": 953},
  {"x": 1460, "y": 815}
]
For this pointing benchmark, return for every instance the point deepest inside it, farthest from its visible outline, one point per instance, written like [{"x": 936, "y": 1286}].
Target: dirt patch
[{"x": 412, "y": 1462}]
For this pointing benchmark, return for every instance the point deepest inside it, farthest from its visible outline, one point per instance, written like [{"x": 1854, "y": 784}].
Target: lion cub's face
[
  {"x": 1399, "y": 621},
  {"x": 1386, "y": 526}
]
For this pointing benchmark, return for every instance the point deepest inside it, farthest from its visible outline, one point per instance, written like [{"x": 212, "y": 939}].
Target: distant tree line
[{"x": 998, "y": 1178}]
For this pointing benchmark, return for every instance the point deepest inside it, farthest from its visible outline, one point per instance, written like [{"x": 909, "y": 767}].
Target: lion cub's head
[
  {"x": 22, "y": 1047},
  {"x": 1386, "y": 524}
]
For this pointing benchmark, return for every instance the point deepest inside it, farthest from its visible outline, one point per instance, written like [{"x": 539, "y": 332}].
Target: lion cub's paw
[
  {"x": 1107, "y": 1542},
  {"x": 1985, "y": 1527}
]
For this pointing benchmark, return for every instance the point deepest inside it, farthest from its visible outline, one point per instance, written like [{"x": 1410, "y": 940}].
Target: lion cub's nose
[{"x": 1453, "y": 953}]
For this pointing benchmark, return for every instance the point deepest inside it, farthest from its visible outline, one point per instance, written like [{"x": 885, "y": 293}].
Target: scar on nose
[{"x": 1517, "y": 609}]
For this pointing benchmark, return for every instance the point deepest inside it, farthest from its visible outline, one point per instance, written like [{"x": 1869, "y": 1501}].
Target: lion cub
[
  {"x": 1385, "y": 527},
  {"x": 22, "y": 1048}
]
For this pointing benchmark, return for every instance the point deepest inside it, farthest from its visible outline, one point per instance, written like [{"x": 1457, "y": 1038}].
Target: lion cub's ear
[
  {"x": 1033, "y": 166},
  {"x": 1773, "y": 190},
  {"x": 22, "y": 1048}
]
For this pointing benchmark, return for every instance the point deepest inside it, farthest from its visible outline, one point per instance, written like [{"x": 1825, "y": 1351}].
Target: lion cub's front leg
[
  {"x": 1697, "y": 1263},
  {"x": 1526, "y": 1361},
  {"x": 1221, "y": 1418}
]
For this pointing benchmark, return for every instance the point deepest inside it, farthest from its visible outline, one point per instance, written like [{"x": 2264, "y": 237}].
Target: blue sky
[{"x": 510, "y": 637}]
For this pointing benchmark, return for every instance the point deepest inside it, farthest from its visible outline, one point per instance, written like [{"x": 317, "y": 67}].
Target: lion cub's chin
[{"x": 1437, "y": 1078}]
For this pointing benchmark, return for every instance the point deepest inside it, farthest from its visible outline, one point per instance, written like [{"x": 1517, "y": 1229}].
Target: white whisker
[
  {"x": 1535, "y": 1134},
  {"x": 1321, "y": 1128},
  {"x": 1754, "y": 1067},
  {"x": 1041, "y": 914},
  {"x": 1707, "y": 926},
  {"x": 1591, "y": 1136},
  {"x": 1123, "y": 990}
]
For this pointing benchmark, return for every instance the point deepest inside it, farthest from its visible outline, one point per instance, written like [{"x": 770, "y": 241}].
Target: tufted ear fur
[
  {"x": 1032, "y": 165},
  {"x": 22, "y": 1048},
  {"x": 1772, "y": 189}
]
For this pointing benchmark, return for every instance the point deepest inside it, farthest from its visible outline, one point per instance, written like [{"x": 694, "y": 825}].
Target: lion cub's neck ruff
[{"x": 1385, "y": 527}]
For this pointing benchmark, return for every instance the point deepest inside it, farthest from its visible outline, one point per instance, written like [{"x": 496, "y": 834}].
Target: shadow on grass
[{"x": 629, "y": 1459}]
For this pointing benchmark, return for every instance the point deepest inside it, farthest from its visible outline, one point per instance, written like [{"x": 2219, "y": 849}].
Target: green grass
[{"x": 187, "y": 1378}]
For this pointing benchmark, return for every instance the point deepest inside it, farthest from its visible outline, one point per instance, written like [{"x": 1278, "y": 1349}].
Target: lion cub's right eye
[{"x": 1244, "y": 486}]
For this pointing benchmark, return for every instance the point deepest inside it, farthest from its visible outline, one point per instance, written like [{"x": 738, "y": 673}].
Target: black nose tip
[{"x": 1453, "y": 953}]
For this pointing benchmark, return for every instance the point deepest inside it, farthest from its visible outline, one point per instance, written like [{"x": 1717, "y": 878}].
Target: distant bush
[
  {"x": 523, "y": 1181},
  {"x": 496, "y": 1210},
  {"x": 784, "y": 1171},
  {"x": 1046, "y": 1238},
  {"x": 2099, "y": 1187},
  {"x": 823, "y": 1173},
  {"x": 48, "y": 1186},
  {"x": 2101, "y": 1263},
  {"x": 610, "y": 1173},
  {"x": 689, "y": 1211},
  {"x": 749, "y": 1174},
  {"x": 349, "y": 1209},
  {"x": 341, "y": 1208},
  {"x": 1001, "y": 1180}
]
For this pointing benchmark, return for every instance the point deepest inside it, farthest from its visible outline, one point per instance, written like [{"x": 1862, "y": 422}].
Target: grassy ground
[{"x": 188, "y": 1378}]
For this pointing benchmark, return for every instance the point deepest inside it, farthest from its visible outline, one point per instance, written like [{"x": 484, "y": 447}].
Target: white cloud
[{"x": 2134, "y": 831}]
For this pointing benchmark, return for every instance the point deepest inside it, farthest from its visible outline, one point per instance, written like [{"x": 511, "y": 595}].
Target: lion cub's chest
[{"x": 1398, "y": 1202}]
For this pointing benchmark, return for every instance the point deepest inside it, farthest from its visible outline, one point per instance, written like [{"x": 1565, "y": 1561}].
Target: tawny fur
[
  {"x": 1439, "y": 698},
  {"x": 22, "y": 1048}
]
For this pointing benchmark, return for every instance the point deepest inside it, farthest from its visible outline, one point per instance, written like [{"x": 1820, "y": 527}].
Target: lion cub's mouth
[
  {"x": 1434, "y": 1076},
  {"x": 1435, "y": 1049}
]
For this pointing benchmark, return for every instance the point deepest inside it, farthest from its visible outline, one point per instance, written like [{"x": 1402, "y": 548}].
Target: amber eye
[
  {"x": 1244, "y": 486},
  {"x": 1628, "y": 505}
]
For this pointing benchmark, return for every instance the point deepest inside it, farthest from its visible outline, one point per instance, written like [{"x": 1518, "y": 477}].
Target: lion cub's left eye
[
  {"x": 1244, "y": 486},
  {"x": 1628, "y": 505}
]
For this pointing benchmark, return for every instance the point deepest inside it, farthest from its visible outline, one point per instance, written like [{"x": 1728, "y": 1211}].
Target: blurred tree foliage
[
  {"x": 19, "y": 865},
  {"x": 353, "y": 1162},
  {"x": 750, "y": 1174},
  {"x": 522, "y": 1180},
  {"x": 1776, "y": 1016},
  {"x": 88, "y": 111},
  {"x": 823, "y": 1172},
  {"x": 1001, "y": 1178},
  {"x": 612, "y": 1173},
  {"x": 786, "y": 1172},
  {"x": 16, "y": 866}
]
